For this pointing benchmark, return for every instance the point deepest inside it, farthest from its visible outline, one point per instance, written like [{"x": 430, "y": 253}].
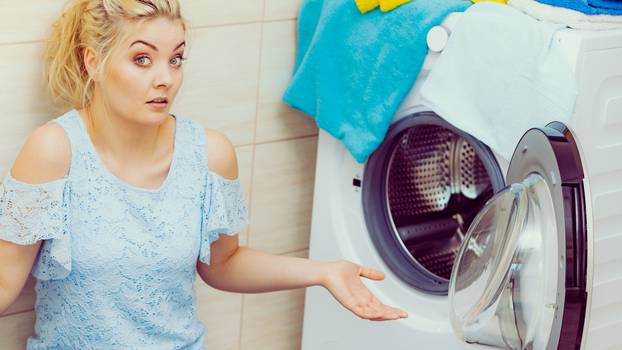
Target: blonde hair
[{"x": 97, "y": 24}]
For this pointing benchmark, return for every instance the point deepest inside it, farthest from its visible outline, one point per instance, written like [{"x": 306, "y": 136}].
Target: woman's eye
[
  {"x": 142, "y": 60},
  {"x": 176, "y": 61}
]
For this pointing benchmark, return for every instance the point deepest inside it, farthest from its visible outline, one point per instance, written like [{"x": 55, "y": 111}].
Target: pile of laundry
[
  {"x": 578, "y": 14},
  {"x": 388, "y": 5},
  {"x": 353, "y": 70},
  {"x": 355, "y": 65}
]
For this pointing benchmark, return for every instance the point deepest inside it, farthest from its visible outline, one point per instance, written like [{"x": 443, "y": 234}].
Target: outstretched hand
[{"x": 343, "y": 281}]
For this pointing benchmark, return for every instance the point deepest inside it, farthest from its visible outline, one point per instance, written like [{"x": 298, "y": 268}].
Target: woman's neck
[{"x": 121, "y": 139}]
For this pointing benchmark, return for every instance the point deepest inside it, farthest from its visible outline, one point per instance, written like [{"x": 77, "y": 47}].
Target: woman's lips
[{"x": 158, "y": 105}]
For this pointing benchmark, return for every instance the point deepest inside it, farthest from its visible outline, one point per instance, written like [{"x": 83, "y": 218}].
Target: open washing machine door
[{"x": 519, "y": 278}]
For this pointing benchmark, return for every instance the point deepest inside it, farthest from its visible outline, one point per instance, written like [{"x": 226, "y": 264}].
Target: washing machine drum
[
  {"x": 421, "y": 190},
  {"x": 512, "y": 259}
]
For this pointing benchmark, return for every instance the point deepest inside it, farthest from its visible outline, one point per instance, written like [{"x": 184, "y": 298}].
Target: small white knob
[{"x": 437, "y": 38}]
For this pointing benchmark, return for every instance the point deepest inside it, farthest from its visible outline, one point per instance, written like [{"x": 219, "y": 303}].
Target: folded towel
[
  {"x": 582, "y": 6},
  {"x": 352, "y": 71},
  {"x": 606, "y": 4},
  {"x": 496, "y": 91},
  {"x": 385, "y": 5},
  {"x": 568, "y": 17}
]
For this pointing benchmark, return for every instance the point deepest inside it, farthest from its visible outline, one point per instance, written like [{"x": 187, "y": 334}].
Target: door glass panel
[
  {"x": 503, "y": 285},
  {"x": 536, "y": 269}
]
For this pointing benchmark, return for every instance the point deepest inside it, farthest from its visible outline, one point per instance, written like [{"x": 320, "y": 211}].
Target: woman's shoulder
[
  {"x": 44, "y": 157},
  {"x": 221, "y": 154},
  {"x": 211, "y": 147}
]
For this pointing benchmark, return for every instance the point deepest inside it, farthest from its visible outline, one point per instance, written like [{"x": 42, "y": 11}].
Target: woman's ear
[{"x": 90, "y": 63}]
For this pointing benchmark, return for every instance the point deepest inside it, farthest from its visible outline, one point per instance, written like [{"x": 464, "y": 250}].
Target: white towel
[
  {"x": 568, "y": 17},
  {"x": 500, "y": 75}
]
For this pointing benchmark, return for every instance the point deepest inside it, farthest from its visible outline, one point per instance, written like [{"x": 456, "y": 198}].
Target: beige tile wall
[{"x": 240, "y": 59}]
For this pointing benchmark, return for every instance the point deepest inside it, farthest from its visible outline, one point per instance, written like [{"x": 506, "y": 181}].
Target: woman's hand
[{"x": 343, "y": 281}]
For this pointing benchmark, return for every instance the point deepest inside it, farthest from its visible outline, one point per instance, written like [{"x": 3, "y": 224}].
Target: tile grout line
[
  {"x": 261, "y": 143},
  {"x": 25, "y": 42},
  {"x": 254, "y": 151},
  {"x": 205, "y": 26},
  {"x": 275, "y": 141},
  {"x": 276, "y": 20},
  {"x": 295, "y": 251},
  {"x": 241, "y": 23},
  {"x": 16, "y": 313},
  {"x": 257, "y": 96}
]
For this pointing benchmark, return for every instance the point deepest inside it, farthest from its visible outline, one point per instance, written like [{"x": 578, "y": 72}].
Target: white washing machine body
[{"x": 340, "y": 229}]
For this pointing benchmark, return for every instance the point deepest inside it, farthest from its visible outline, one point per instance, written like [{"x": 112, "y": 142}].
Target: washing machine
[{"x": 520, "y": 253}]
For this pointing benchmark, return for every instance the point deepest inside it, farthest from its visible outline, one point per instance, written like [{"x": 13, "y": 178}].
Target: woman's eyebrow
[
  {"x": 144, "y": 43},
  {"x": 153, "y": 46}
]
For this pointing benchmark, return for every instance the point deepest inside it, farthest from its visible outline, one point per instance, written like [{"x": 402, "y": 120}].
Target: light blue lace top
[{"x": 117, "y": 266}]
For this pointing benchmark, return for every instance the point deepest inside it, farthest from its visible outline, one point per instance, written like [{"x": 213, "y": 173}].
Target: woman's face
[{"x": 144, "y": 72}]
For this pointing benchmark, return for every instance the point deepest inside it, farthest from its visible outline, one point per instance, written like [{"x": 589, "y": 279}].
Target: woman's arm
[
  {"x": 239, "y": 269},
  {"x": 251, "y": 271},
  {"x": 44, "y": 157},
  {"x": 15, "y": 265}
]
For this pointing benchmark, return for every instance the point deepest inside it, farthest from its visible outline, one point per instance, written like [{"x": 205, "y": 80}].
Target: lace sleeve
[
  {"x": 38, "y": 212},
  {"x": 224, "y": 211}
]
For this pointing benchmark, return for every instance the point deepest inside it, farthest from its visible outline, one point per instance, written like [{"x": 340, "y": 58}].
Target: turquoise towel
[{"x": 353, "y": 71}]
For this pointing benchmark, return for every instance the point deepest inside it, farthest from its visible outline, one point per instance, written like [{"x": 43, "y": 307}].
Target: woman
[{"x": 116, "y": 205}]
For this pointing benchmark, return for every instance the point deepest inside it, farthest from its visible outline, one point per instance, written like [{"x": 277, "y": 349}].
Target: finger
[
  {"x": 386, "y": 315},
  {"x": 389, "y": 309},
  {"x": 379, "y": 312},
  {"x": 366, "y": 312},
  {"x": 391, "y": 312},
  {"x": 369, "y": 307},
  {"x": 371, "y": 310},
  {"x": 385, "y": 318},
  {"x": 398, "y": 312},
  {"x": 371, "y": 274}
]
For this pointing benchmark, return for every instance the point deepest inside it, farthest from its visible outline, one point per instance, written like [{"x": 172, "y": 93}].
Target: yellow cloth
[
  {"x": 499, "y": 1},
  {"x": 366, "y": 5},
  {"x": 385, "y": 5},
  {"x": 388, "y": 5}
]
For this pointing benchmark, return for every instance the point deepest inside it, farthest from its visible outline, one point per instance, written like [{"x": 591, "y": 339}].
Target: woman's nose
[{"x": 164, "y": 76}]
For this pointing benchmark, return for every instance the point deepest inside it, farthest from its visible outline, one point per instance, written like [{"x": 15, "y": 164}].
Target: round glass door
[{"x": 503, "y": 285}]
